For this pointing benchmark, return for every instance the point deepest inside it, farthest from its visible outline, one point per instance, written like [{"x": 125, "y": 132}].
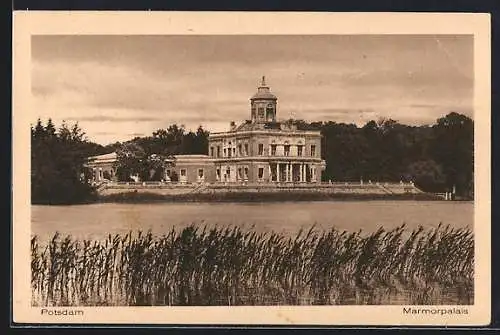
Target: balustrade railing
[{"x": 389, "y": 187}]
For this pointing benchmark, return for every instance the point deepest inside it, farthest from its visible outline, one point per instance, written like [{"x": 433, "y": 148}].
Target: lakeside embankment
[
  {"x": 203, "y": 192},
  {"x": 140, "y": 196},
  {"x": 147, "y": 192}
]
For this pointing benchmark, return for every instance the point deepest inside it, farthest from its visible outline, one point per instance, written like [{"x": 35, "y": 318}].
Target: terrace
[{"x": 205, "y": 187}]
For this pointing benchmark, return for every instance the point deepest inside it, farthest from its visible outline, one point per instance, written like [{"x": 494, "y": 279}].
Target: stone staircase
[{"x": 199, "y": 188}]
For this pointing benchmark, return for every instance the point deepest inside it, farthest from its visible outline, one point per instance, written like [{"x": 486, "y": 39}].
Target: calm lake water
[{"x": 96, "y": 221}]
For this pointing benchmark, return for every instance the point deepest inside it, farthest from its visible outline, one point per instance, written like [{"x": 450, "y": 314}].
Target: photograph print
[{"x": 235, "y": 170}]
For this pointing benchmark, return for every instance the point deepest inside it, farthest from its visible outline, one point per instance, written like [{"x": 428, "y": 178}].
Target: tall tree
[
  {"x": 453, "y": 148},
  {"x": 57, "y": 159},
  {"x": 132, "y": 159}
]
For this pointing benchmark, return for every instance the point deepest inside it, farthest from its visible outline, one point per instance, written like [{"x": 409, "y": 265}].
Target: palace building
[
  {"x": 258, "y": 150},
  {"x": 262, "y": 149}
]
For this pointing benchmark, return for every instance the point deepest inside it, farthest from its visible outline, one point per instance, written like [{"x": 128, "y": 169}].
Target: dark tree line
[{"x": 438, "y": 157}]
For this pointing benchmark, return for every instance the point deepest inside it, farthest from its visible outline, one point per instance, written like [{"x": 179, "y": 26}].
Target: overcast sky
[{"x": 118, "y": 87}]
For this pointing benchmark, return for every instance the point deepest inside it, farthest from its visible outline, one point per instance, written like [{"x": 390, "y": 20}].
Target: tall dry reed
[{"x": 234, "y": 266}]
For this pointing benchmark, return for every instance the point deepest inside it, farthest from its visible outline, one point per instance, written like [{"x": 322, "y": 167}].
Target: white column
[
  {"x": 270, "y": 173},
  {"x": 301, "y": 172},
  {"x": 278, "y": 172},
  {"x": 313, "y": 173},
  {"x": 289, "y": 172}
]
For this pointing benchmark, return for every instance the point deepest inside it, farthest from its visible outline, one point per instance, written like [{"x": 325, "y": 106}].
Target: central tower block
[{"x": 263, "y": 104}]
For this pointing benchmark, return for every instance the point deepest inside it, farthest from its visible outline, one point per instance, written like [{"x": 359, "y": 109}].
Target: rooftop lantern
[{"x": 263, "y": 104}]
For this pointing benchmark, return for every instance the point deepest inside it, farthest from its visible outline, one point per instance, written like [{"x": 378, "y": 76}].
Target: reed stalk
[{"x": 237, "y": 266}]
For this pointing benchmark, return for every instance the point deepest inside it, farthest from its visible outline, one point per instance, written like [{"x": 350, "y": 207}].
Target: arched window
[{"x": 270, "y": 111}]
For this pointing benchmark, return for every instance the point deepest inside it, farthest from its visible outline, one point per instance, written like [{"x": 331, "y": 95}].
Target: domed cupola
[{"x": 263, "y": 104}]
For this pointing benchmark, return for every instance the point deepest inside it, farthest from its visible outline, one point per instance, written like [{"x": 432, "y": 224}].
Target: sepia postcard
[{"x": 244, "y": 168}]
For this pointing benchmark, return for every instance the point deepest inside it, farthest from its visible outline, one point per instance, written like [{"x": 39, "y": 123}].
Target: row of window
[
  {"x": 232, "y": 152},
  {"x": 242, "y": 173},
  {"x": 183, "y": 173},
  {"x": 269, "y": 112},
  {"x": 286, "y": 150}
]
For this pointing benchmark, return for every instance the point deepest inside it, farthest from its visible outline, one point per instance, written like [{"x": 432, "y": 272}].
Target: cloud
[
  {"x": 105, "y": 133},
  {"x": 143, "y": 83},
  {"x": 136, "y": 134},
  {"x": 105, "y": 118},
  {"x": 423, "y": 105}
]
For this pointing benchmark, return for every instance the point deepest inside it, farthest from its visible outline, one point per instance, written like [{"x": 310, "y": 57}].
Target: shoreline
[{"x": 251, "y": 197}]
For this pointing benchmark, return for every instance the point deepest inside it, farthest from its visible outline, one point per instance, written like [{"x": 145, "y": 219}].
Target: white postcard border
[{"x": 26, "y": 24}]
